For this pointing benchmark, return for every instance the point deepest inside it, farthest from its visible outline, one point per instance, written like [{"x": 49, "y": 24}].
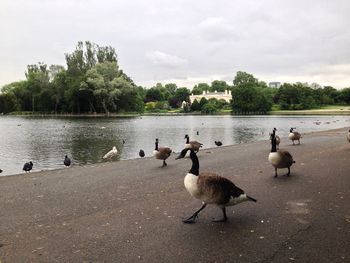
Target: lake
[{"x": 45, "y": 141}]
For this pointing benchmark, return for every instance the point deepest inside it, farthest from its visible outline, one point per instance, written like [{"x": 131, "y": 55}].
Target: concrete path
[{"x": 131, "y": 211}]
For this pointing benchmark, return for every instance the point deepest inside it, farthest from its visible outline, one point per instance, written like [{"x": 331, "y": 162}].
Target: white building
[{"x": 227, "y": 96}]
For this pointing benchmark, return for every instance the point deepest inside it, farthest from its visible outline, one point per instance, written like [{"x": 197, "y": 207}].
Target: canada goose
[
  {"x": 141, "y": 153},
  {"x": 67, "y": 161},
  {"x": 161, "y": 153},
  {"x": 211, "y": 189},
  {"x": 348, "y": 136},
  {"x": 28, "y": 166},
  {"x": 278, "y": 139},
  {"x": 110, "y": 154},
  {"x": 218, "y": 143},
  {"x": 194, "y": 145},
  {"x": 294, "y": 135},
  {"x": 279, "y": 159}
]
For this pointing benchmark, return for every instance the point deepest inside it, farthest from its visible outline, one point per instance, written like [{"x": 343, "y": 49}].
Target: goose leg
[
  {"x": 164, "y": 163},
  {"x": 193, "y": 217},
  {"x": 224, "y": 219},
  {"x": 288, "y": 171},
  {"x": 275, "y": 172}
]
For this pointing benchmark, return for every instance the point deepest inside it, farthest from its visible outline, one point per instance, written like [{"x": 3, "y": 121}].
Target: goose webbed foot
[
  {"x": 164, "y": 163},
  {"x": 193, "y": 217},
  {"x": 275, "y": 173},
  {"x": 224, "y": 219}
]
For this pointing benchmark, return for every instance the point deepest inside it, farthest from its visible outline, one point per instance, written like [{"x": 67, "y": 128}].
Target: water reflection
[{"x": 46, "y": 141}]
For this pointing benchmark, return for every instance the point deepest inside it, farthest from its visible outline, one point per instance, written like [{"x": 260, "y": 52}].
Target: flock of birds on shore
[{"x": 211, "y": 188}]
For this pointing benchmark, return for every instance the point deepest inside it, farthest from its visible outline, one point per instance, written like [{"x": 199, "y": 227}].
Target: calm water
[{"x": 45, "y": 141}]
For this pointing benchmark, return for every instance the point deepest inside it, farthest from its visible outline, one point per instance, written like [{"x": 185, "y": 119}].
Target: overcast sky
[{"x": 185, "y": 41}]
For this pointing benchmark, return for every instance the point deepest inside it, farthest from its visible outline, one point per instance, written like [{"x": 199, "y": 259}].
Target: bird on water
[
  {"x": 28, "y": 166},
  {"x": 142, "y": 153},
  {"x": 218, "y": 143},
  {"x": 211, "y": 189},
  {"x": 67, "y": 161},
  {"x": 111, "y": 154}
]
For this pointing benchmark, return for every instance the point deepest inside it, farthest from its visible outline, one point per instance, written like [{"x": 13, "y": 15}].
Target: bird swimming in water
[
  {"x": 142, "y": 153},
  {"x": 211, "y": 189},
  {"x": 111, "y": 154},
  {"x": 67, "y": 161},
  {"x": 28, "y": 166},
  {"x": 218, "y": 143}
]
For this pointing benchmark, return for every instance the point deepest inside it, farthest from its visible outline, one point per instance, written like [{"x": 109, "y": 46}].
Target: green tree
[
  {"x": 195, "y": 106},
  {"x": 199, "y": 88},
  {"x": 219, "y": 85}
]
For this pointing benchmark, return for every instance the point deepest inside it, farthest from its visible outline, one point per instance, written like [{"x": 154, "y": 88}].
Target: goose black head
[
  {"x": 31, "y": 164},
  {"x": 186, "y": 136},
  {"x": 291, "y": 129}
]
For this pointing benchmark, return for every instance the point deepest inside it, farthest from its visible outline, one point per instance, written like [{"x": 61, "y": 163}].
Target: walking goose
[
  {"x": 111, "y": 154},
  {"x": 28, "y": 166},
  {"x": 211, "y": 189},
  {"x": 67, "y": 161},
  {"x": 194, "y": 145},
  {"x": 279, "y": 159},
  {"x": 348, "y": 136},
  {"x": 161, "y": 153},
  {"x": 294, "y": 135}
]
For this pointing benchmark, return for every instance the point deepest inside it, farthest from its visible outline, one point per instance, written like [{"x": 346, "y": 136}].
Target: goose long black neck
[
  {"x": 273, "y": 143},
  {"x": 156, "y": 148},
  {"x": 187, "y": 139},
  {"x": 195, "y": 163}
]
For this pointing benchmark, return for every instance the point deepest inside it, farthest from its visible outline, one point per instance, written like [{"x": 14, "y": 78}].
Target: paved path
[{"x": 131, "y": 211}]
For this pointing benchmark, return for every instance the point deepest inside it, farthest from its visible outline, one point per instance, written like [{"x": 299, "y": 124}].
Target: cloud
[{"x": 165, "y": 60}]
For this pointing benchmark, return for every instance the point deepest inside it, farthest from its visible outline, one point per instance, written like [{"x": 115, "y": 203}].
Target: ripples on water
[{"x": 46, "y": 141}]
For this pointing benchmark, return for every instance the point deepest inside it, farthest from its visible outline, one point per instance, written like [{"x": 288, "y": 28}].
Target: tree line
[{"x": 92, "y": 82}]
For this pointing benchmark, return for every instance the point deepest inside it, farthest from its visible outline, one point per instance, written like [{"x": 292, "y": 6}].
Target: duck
[
  {"x": 111, "y": 154},
  {"x": 211, "y": 188},
  {"x": 218, "y": 143},
  {"x": 28, "y": 166},
  {"x": 142, "y": 153},
  {"x": 66, "y": 161},
  {"x": 294, "y": 135},
  {"x": 194, "y": 145},
  {"x": 348, "y": 136},
  {"x": 281, "y": 158},
  {"x": 278, "y": 139},
  {"x": 161, "y": 153}
]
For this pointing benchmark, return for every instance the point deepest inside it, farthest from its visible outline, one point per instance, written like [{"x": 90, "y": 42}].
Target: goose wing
[
  {"x": 286, "y": 159},
  {"x": 163, "y": 152},
  {"x": 219, "y": 188},
  {"x": 195, "y": 145}
]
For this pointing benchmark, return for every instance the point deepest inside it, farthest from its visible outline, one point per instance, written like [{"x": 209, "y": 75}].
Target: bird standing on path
[
  {"x": 294, "y": 135},
  {"x": 211, "y": 189},
  {"x": 194, "y": 145},
  {"x": 67, "y": 161},
  {"x": 161, "y": 153},
  {"x": 279, "y": 159},
  {"x": 28, "y": 166},
  {"x": 111, "y": 154}
]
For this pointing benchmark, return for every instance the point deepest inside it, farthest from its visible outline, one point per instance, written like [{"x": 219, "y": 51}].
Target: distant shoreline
[{"x": 339, "y": 111}]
